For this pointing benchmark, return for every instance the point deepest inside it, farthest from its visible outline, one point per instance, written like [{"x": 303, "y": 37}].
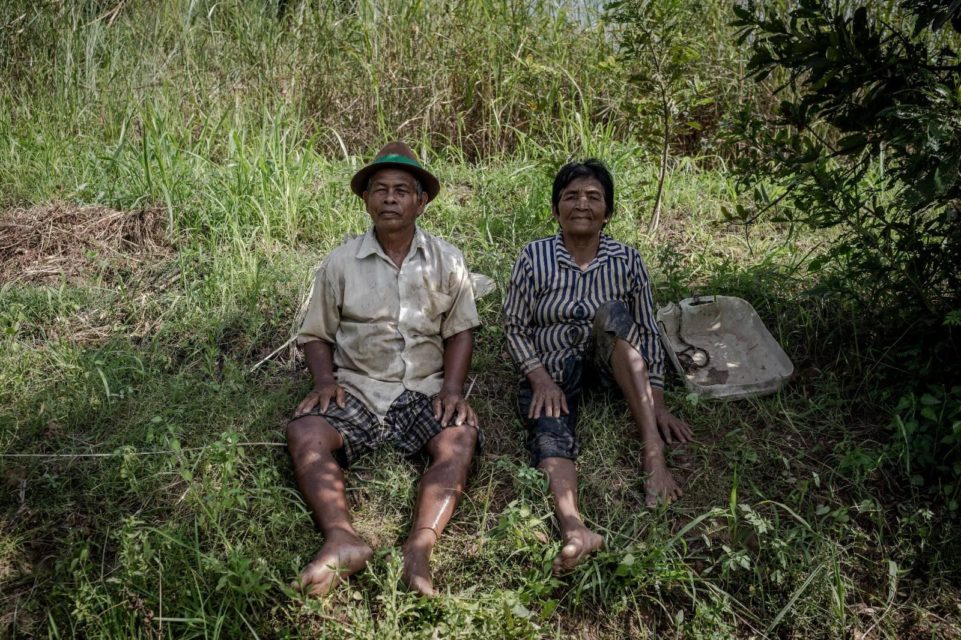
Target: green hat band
[{"x": 398, "y": 159}]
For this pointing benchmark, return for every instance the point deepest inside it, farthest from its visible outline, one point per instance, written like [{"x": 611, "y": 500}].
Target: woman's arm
[
  {"x": 648, "y": 339},
  {"x": 517, "y": 315},
  {"x": 548, "y": 398}
]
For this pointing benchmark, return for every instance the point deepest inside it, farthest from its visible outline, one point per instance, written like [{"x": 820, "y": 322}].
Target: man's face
[
  {"x": 581, "y": 209},
  {"x": 392, "y": 200}
]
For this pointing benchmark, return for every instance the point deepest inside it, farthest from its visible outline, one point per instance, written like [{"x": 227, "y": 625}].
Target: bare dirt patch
[{"x": 44, "y": 243}]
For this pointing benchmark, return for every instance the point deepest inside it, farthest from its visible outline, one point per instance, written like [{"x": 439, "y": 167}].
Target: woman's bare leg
[
  {"x": 578, "y": 541},
  {"x": 630, "y": 372}
]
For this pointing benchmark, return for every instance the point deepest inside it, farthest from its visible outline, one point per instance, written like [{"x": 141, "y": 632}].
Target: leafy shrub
[
  {"x": 867, "y": 141},
  {"x": 927, "y": 442}
]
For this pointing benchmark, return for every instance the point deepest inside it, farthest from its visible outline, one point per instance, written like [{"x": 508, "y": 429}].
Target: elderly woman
[{"x": 579, "y": 311}]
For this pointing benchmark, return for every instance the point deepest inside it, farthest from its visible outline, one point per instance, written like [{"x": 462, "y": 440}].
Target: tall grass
[{"x": 355, "y": 74}]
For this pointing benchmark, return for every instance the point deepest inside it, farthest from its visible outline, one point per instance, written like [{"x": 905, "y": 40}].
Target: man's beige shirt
[{"x": 388, "y": 325}]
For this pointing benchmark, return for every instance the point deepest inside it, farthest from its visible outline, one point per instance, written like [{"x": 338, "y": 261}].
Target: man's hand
[
  {"x": 672, "y": 428},
  {"x": 453, "y": 406},
  {"x": 549, "y": 399},
  {"x": 322, "y": 394}
]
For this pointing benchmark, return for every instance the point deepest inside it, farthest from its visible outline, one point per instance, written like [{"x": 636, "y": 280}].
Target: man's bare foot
[
  {"x": 579, "y": 542},
  {"x": 416, "y": 573},
  {"x": 660, "y": 486},
  {"x": 343, "y": 554}
]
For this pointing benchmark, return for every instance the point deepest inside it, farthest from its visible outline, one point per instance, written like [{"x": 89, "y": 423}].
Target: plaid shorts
[
  {"x": 557, "y": 437},
  {"x": 407, "y": 427}
]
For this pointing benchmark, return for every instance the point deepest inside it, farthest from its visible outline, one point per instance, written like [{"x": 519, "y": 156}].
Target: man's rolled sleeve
[
  {"x": 463, "y": 311},
  {"x": 323, "y": 312}
]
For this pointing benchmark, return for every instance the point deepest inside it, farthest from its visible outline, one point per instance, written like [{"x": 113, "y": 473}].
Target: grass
[
  {"x": 166, "y": 508},
  {"x": 185, "y": 531}
]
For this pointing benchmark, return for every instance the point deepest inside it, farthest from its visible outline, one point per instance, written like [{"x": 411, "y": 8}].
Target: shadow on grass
[{"x": 792, "y": 507}]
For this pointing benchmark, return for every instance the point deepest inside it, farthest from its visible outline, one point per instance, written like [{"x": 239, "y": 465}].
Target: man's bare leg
[
  {"x": 441, "y": 489},
  {"x": 578, "y": 541},
  {"x": 312, "y": 441},
  {"x": 630, "y": 372}
]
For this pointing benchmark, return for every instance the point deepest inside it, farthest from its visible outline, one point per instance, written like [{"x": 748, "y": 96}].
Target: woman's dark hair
[{"x": 590, "y": 168}]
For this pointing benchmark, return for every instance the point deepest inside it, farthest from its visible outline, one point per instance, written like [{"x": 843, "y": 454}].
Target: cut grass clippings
[{"x": 46, "y": 244}]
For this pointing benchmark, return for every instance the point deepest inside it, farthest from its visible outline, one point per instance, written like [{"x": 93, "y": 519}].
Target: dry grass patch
[{"x": 44, "y": 243}]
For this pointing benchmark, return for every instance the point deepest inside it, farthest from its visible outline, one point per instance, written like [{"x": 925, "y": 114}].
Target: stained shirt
[
  {"x": 550, "y": 304},
  {"x": 388, "y": 324}
]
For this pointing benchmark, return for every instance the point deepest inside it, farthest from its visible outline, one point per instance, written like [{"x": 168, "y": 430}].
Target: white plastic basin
[{"x": 721, "y": 349}]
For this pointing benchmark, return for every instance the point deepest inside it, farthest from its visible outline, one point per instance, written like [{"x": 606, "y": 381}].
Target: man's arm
[
  {"x": 450, "y": 402},
  {"x": 320, "y": 361},
  {"x": 316, "y": 338}
]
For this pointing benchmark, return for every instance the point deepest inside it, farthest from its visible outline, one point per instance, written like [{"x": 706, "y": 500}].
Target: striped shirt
[{"x": 551, "y": 303}]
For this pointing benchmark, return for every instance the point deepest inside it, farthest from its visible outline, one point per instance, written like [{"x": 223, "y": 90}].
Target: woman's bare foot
[
  {"x": 416, "y": 573},
  {"x": 660, "y": 486},
  {"x": 342, "y": 555},
  {"x": 579, "y": 542}
]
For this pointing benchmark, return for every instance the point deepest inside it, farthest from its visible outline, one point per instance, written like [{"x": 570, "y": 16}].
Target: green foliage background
[{"x": 824, "y": 510}]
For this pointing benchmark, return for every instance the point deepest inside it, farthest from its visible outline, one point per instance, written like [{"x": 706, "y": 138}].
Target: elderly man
[{"x": 387, "y": 338}]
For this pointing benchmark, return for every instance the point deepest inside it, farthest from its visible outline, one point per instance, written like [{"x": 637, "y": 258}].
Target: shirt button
[
  {"x": 580, "y": 312},
  {"x": 574, "y": 335}
]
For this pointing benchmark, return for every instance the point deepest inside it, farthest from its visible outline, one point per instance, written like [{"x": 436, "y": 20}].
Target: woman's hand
[
  {"x": 673, "y": 428},
  {"x": 322, "y": 394},
  {"x": 549, "y": 399}
]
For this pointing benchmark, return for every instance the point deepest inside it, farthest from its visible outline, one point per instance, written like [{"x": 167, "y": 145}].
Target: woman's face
[{"x": 581, "y": 209}]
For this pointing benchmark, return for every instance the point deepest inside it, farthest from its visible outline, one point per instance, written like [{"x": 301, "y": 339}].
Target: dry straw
[{"x": 43, "y": 244}]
